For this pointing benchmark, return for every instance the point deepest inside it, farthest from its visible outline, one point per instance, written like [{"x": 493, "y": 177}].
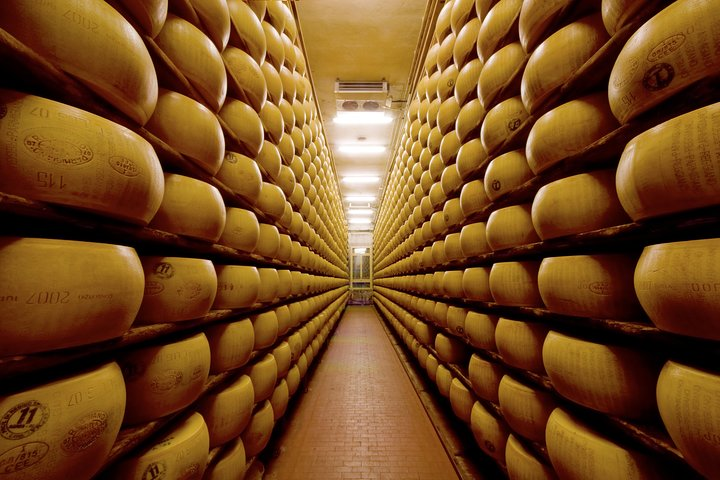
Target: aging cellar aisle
[{"x": 361, "y": 417}]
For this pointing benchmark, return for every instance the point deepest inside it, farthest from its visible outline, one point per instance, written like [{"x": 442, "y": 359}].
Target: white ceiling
[{"x": 367, "y": 40}]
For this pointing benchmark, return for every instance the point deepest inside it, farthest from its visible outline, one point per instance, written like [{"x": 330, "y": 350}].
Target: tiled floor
[{"x": 361, "y": 417}]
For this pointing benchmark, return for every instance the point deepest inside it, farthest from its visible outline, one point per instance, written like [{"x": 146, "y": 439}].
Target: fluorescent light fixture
[
  {"x": 360, "y": 250},
  {"x": 360, "y": 198},
  {"x": 360, "y": 221},
  {"x": 361, "y": 118},
  {"x": 360, "y": 211},
  {"x": 361, "y": 149},
  {"x": 360, "y": 179}
]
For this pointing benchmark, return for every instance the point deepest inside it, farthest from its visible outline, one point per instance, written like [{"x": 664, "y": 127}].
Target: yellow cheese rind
[
  {"x": 231, "y": 344},
  {"x": 164, "y": 379},
  {"x": 215, "y": 18},
  {"x": 227, "y": 411},
  {"x": 525, "y": 409},
  {"x": 523, "y": 465},
  {"x": 241, "y": 174},
  {"x": 521, "y": 343},
  {"x": 505, "y": 173},
  {"x": 607, "y": 378},
  {"x": 490, "y": 433},
  {"x": 501, "y": 74},
  {"x": 257, "y": 434},
  {"x": 485, "y": 378},
  {"x": 499, "y": 27},
  {"x": 249, "y": 76},
  {"x": 55, "y": 296},
  {"x": 238, "y": 286},
  {"x": 242, "y": 230},
  {"x": 245, "y": 123},
  {"x": 55, "y": 153},
  {"x": 500, "y": 123},
  {"x": 511, "y": 227},
  {"x": 230, "y": 464},
  {"x": 677, "y": 286},
  {"x": 176, "y": 288},
  {"x": 64, "y": 428},
  {"x": 536, "y": 16},
  {"x": 515, "y": 283},
  {"x": 93, "y": 43},
  {"x": 247, "y": 32},
  {"x": 150, "y": 14}
]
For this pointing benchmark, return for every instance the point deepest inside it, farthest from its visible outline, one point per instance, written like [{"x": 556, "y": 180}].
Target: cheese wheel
[
  {"x": 505, "y": 173},
  {"x": 473, "y": 198},
  {"x": 164, "y": 379},
  {"x": 555, "y": 61},
  {"x": 618, "y": 13},
  {"x": 448, "y": 112},
  {"x": 181, "y": 453},
  {"x": 490, "y": 433},
  {"x": 293, "y": 379},
  {"x": 469, "y": 119},
  {"x": 449, "y": 349},
  {"x": 190, "y": 208},
  {"x": 461, "y": 400},
  {"x": 271, "y": 200},
  {"x": 500, "y": 123},
  {"x": 568, "y": 129},
  {"x": 247, "y": 32},
  {"x": 227, "y": 410},
  {"x": 283, "y": 358},
  {"x": 65, "y": 427},
  {"x": 442, "y": 24},
  {"x": 242, "y": 230},
  {"x": 257, "y": 434},
  {"x": 197, "y": 58},
  {"x": 684, "y": 397},
  {"x": 285, "y": 248},
  {"x": 500, "y": 76},
  {"x": 241, "y": 175},
  {"x": 150, "y": 14},
  {"x": 238, "y": 286},
  {"x": 525, "y": 409},
  {"x": 536, "y": 18},
  {"x": 245, "y": 123},
  {"x": 456, "y": 319},
  {"x": 510, "y": 227},
  {"x": 268, "y": 242},
  {"x": 248, "y": 81},
  {"x": 453, "y": 251},
  {"x": 263, "y": 374},
  {"x": 452, "y": 283},
  {"x": 607, "y": 378},
  {"x": 465, "y": 47},
  {"x": 199, "y": 136},
  {"x": 670, "y": 52},
  {"x": 273, "y": 83},
  {"x": 92, "y": 42},
  {"x": 467, "y": 80},
  {"x": 476, "y": 284},
  {"x": 599, "y": 286},
  {"x": 230, "y": 464},
  {"x": 265, "y": 326},
  {"x": 577, "y": 204},
  {"x": 485, "y": 377},
  {"x": 444, "y": 58},
  {"x": 443, "y": 380},
  {"x": 275, "y": 50},
  {"x": 215, "y": 18},
  {"x": 55, "y": 296},
  {"x": 279, "y": 399},
  {"x": 499, "y": 28},
  {"x": 522, "y": 464},
  {"x": 677, "y": 285},
  {"x": 521, "y": 343},
  {"x": 515, "y": 283},
  {"x": 176, "y": 289},
  {"x": 284, "y": 283},
  {"x": 452, "y": 211},
  {"x": 470, "y": 157},
  {"x": 231, "y": 344},
  {"x": 55, "y": 153},
  {"x": 272, "y": 122},
  {"x": 445, "y": 87},
  {"x": 669, "y": 169},
  {"x": 576, "y": 451},
  {"x": 479, "y": 329},
  {"x": 473, "y": 240}
]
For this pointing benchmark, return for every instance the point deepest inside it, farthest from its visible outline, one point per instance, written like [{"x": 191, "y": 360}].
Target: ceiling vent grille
[{"x": 342, "y": 87}]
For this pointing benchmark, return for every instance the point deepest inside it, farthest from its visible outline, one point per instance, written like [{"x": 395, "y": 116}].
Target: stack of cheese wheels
[
  {"x": 521, "y": 463},
  {"x": 199, "y": 136},
  {"x": 54, "y": 296},
  {"x": 197, "y": 58},
  {"x": 567, "y": 129},
  {"x": 53, "y": 159},
  {"x": 231, "y": 344},
  {"x": 576, "y": 451},
  {"x": 164, "y": 379},
  {"x": 526, "y": 409},
  {"x": 576, "y": 204},
  {"x": 150, "y": 14},
  {"x": 677, "y": 285},
  {"x": 656, "y": 62},
  {"x": 684, "y": 396},
  {"x": 556, "y": 59},
  {"x": 599, "y": 286},
  {"x": 485, "y": 377},
  {"x": 227, "y": 411},
  {"x": 510, "y": 227},
  {"x": 116, "y": 66},
  {"x": 521, "y": 343},
  {"x": 515, "y": 283},
  {"x": 611, "y": 379},
  {"x": 491, "y": 433},
  {"x": 191, "y": 208},
  {"x": 667, "y": 169},
  {"x": 181, "y": 453},
  {"x": 43, "y": 437},
  {"x": 176, "y": 288},
  {"x": 506, "y": 172}
]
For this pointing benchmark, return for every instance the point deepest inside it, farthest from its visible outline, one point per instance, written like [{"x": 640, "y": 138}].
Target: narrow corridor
[{"x": 361, "y": 417}]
